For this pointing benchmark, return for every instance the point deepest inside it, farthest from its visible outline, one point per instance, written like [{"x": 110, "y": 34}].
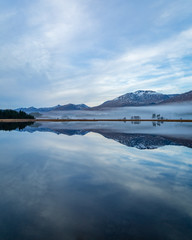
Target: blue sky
[{"x": 89, "y": 51}]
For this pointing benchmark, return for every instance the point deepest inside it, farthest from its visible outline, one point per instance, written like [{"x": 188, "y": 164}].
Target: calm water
[{"x": 93, "y": 183}]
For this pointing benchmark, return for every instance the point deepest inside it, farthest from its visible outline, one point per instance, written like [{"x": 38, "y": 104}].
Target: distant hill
[
  {"x": 66, "y": 107},
  {"x": 71, "y": 106},
  {"x": 184, "y": 97}
]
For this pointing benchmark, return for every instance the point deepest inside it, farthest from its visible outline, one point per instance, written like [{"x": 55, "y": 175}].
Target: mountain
[
  {"x": 27, "y": 110},
  {"x": 179, "y": 98},
  {"x": 66, "y": 107},
  {"x": 71, "y": 106},
  {"x": 138, "y": 98}
]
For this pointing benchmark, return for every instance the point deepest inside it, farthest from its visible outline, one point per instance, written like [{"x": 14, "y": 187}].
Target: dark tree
[{"x": 11, "y": 114}]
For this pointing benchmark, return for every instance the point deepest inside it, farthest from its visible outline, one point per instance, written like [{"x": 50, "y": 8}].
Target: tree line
[{"x": 12, "y": 114}]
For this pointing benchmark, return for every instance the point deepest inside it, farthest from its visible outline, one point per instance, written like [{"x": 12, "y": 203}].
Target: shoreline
[{"x": 94, "y": 120}]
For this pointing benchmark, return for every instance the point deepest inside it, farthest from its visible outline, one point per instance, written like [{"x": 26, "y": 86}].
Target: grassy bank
[{"x": 95, "y": 120}]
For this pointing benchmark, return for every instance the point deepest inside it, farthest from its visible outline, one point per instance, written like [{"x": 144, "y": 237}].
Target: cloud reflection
[{"x": 89, "y": 187}]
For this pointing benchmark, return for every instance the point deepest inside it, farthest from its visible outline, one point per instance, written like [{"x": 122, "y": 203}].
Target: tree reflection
[{"x": 14, "y": 125}]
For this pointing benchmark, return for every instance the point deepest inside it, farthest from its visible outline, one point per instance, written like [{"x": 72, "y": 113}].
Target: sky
[{"x": 89, "y": 51}]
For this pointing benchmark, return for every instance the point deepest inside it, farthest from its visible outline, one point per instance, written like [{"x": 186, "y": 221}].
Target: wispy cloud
[
  {"x": 159, "y": 67},
  {"x": 55, "y": 51}
]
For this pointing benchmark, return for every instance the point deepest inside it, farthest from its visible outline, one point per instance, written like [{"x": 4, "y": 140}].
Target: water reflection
[{"x": 81, "y": 185}]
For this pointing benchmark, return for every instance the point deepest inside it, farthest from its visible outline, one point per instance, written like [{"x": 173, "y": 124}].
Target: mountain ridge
[
  {"x": 66, "y": 107},
  {"x": 184, "y": 97},
  {"x": 131, "y": 99}
]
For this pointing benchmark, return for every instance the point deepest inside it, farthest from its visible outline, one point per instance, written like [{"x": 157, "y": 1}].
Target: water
[{"x": 94, "y": 182}]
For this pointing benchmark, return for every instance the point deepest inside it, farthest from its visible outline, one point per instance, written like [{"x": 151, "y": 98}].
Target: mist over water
[{"x": 173, "y": 111}]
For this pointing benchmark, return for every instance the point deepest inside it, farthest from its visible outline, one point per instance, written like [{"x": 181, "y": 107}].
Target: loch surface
[{"x": 82, "y": 182}]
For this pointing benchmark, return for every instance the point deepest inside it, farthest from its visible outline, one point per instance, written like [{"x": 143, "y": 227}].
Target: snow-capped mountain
[{"x": 138, "y": 98}]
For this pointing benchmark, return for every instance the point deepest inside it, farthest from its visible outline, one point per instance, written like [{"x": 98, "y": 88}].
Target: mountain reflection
[
  {"x": 140, "y": 141},
  {"x": 147, "y": 141},
  {"x": 137, "y": 140}
]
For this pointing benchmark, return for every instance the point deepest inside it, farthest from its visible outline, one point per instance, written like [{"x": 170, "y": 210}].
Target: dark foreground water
[{"x": 87, "y": 184}]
